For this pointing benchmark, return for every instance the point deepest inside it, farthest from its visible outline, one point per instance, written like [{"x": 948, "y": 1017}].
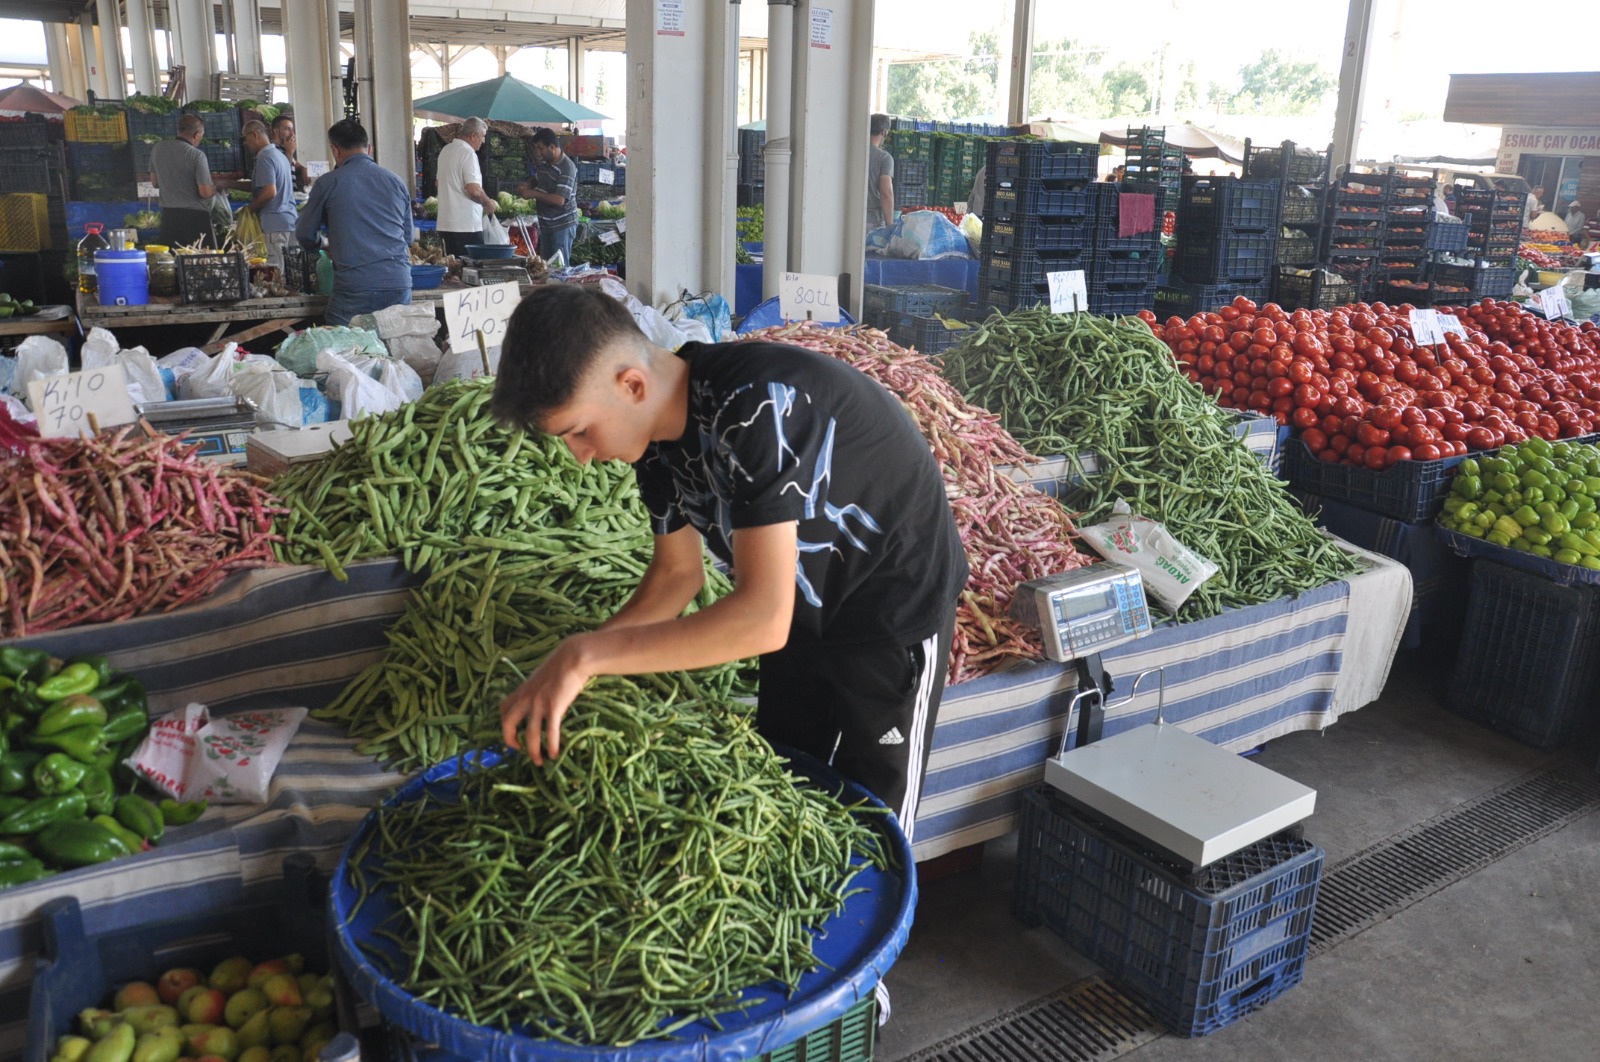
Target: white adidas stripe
[{"x": 918, "y": 738}]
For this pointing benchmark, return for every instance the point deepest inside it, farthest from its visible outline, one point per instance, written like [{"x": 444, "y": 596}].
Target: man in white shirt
[
  {"x": 462, "y": 200},
  {"x": 1575, "y": 219}
]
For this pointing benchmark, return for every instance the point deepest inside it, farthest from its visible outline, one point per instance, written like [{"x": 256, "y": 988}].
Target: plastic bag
[
  {"x": 357, "y": 392},
  {"x": 494, "y": 233},
  {"x": 276, "y": 394},
  {"x": 298, "y": 353},
  {"x": 314, "y": 405},
  {"x": 247, "y": 230},
  {"x": 711, "y": 311},
  {"x": 38, "y": 358},
  {"x": 465, "y": 365},
  {"x": 1171, "y": 570},
  {"x": 145, "y": 382},
  {"x": 229, "y": 760},
  {"x": 927, "y": 234},
  {"x": 419, "y": 352},
  {"x": 1521, "y": 290},
  {"x": 211, "y": 380},
  {"x": 972, "y": 229},
  {"x": 407, "y": 319}
]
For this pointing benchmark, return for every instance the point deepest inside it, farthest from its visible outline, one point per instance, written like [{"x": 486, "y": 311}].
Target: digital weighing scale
[
  {"x": 493, "y": 270},
  {"x": 221, "y": 427},
  {"x": 1186, "y": 798}
]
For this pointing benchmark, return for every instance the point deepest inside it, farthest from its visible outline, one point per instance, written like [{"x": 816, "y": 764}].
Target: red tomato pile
[{"x": 1356, "y": 388}]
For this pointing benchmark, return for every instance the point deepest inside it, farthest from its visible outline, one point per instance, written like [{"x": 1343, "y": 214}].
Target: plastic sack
[
  {"x": 314, "y": 408},
  {"x": 972, "y": 229},
  {"x": 211, "y": 380},
  {"x": 375, "y": 365},
  {"x": 651, "y": 321},
  {"x": 927, "y": 234},
  {"x": 1521, "y": 290},
  {"x": 419, "y": 352},
  {"x": 406, "y": 319},
  {"x": 494, "y": 233},
  {"x": 357, "y": 392},
  {"x": 176, "y": 367},
  {"x": 145, "y": 383},
  {"x": 711, "y": 311},
  {"x": 466, "y": 365},
  {"x": 1171, "y": 570},
  {"x": 276, "y": 394},
  {"x": 1585, "y": 304},
  {"x": 298, "y": 353},
  {"x": 38, "y": 358},
  {"x": 8, "y": 370},
  {"x": 229, "y": 760}
]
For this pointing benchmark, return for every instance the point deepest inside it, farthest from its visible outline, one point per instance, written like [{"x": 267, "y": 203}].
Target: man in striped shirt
[{"x": 554, "y": 187}]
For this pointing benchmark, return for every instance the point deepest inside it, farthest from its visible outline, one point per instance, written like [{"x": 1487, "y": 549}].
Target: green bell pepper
[
  {"x": 1567, "y": 556},
  {"x": 80, "y": 843},
  {"x": 181, "y": 814},
  {"x": 77, "y": 710},
  {"x": 1571, "y": 540},
  {"x": 1469, "y": 467},
  {"x": 57, "y": 773},
  {"x": 1554, "y": 523},
  {"x": 126, "y": 723},
  {"x": 102, "y": 669},
  {"x": 21, "y": 871},
  {"x": 19, "y": 663},
  {"x": 1510, "y": 527},
  {"x": 8, "y": 804},
  {"x": 74, "y": 678},
  {"x": 99, "y": 790},
  {"x": 1467, "y": 487},
  {"x": 35, "y": 815},
  {"x": 140, "y": 816},
  {"x": 1581, "y": 520},
  {"x": 134, "y": 843},
  {"x": 82, "y": 743},
  {"x": 10, "y": 853}
]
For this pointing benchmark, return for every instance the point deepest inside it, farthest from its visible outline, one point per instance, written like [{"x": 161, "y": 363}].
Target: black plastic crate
[
  {"x": 1229, "y": 204},
  {"x": 39, "y": 170},
  {"x": 910, "y": 172},
  {"x": 213, "y": 276},
  {"x": 1529, "y": 656},
  {"x": 77, "y": 970},
  {"x": 1407, "y": 232},
  {"x": 1447, "y": 235},
  {"x": 160, "y": 126},
  {"x": 300, "y": 269},
  {"x": 1492, "y": 204},
  {"x": 101, "y": 173},
  {"x": 1186, "y": 300},
  {"x": 1032, "y": 268},
  {"x": 1287, "y": 162},
  {"x": 1301, "y": 206},
  {"x": 1480, "y": 281},
  {"x": 1028, "y": 234},
  {"x": 930, "y": 335},
  {"x": 1395, "y": 294},
  {"x": 1124, "y": 267},
  {"x": 1296, "y": 248},
  {"x": 221, "y": 125},
  {"x": 1108, "y": 298},
  {"x": 28, "y": 133},
  {"x": 223, "y": 156},
  {"x": 915, "y": 300},
  {"x": 1006, "y": 299},
  {"x": 913, "y": 196},
  {"x": 1200, "y": 951},
  {"x": 1042, "y": 160},
  {"x": 1221, "y": 257},
  {"x": 1410, "y": 491},
  {"x": 1033, "y": 200}
]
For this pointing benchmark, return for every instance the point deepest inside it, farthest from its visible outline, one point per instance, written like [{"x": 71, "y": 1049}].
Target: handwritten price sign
[
  {"x": 809, "y": 295},
  {"x": 64, "y": 404},
  {"x": 483, "y": 309}
]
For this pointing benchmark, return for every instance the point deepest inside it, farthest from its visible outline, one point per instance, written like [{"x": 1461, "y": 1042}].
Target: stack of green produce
[
  {"x": 1537, "y": 497},
  {"x": 752, "y": 229},
  {"x": 663, "y": 864},
  {"x": 64, "y": 728},
  {"x": 510, "y": 206},
  {"x": 1073, "y": 383},
  {"x": 523, "y": 547}
]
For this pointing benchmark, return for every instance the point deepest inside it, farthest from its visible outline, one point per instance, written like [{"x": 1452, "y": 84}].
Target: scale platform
[{"x": 1187, "y": 797}]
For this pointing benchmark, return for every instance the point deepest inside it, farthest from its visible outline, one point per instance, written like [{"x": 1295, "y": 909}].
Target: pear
[
  {"x": 150, "y": 1017},
  {"x": 244, "y": 1005},
  {"x": 288, "y": 1024},
  {"x": 135, "y": 994},
  {"x": 257, "y": 1031},
  {"x": 230, "y": 974},
  {"x": 282, "y": 990}
]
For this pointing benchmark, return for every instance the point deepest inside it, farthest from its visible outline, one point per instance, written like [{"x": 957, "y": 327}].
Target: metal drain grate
[
  {"x": 1375, "y": 884},
  {"x": 1088, "y": 1021}
]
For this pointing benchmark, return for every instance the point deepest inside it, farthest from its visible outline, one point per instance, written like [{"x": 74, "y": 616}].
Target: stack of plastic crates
[
  {"x": 1154, "y": 167},
  {"x": 1457, "y": 281},
  {"x": 1312, "y": 288},
  {"x": 1354, "y": 233},
  {"x": 1039, "y": 219},
  {"x": 145, "y": 131},
  {"x": 911, "y": 184},
  {"x": 222, "y": 146},
  {"x": 1199, "y": 949},
  {"x": 1494, "y": 222},
  {"x": 1402, "y": 268},
  {"x": 752, "y": 165},
  {"x": 1122, "y": 269},
  {"x": 33, "y": 162},
  {"x": 1228, "y": 234}
]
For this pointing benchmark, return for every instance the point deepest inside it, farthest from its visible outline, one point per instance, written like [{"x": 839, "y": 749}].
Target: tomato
[
  {"x": 1370, "y": 434},
  {"x": 1307, "y": 395},
  {"x": 1315, "y": 439},
  {"x": 1427, "y": 452},
  {"x": 1377, "y": 458},
  {"x": 1386, "y": 417},
  {"x": 1398, "y": 454},
  {"x": 1354, "y": 454},
  {"x": 1301, "y": 371},
  {"x": 1305, "y": 419},
  {"x": 1480, "y": 439}
]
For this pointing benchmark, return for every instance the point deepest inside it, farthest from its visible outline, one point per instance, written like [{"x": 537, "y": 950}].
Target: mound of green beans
[
  {"x": 1075, "y": 383},
  {"x": 663, "y": 865}
]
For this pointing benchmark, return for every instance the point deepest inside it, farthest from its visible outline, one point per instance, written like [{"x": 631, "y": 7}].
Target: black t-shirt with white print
[{"x": 778, "y": 433}]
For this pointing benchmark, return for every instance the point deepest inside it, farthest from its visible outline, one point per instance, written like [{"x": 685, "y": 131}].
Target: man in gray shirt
[
  {"x": 272, "y": 181},
  {"x": 179, "y": 170},
  {"x": 880, "y": 176}
]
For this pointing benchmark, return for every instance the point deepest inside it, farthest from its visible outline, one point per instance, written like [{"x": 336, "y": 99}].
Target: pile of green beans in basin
[
  {"x": 522, "y": 547},
  {"x": 666, "y": 862},
  {"x": 1075, "y": 383}
]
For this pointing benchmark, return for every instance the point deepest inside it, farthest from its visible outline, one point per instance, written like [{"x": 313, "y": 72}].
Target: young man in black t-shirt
[{"x": 802, "y": 473}]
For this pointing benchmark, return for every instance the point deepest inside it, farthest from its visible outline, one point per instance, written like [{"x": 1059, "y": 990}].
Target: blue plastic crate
[
  {"x": 1185, "y": 300},
  {"x": 1409, "y": 491},
  {"x": 77, "y": 969},
  {"x": 1221, "y": 257},
  {"x": 1114, "y": 299},
  {"x": 929, "y": 335},
  {"x": 1124, "y": 267},
  {"x": 1447, "y": 236},
  {"x": 1026, "y": 234},
  {"x": 1032, "y": 268},
  {"x": 912, "y": 300},
  {"x": 1200, "y": 950},
  {"x": 1229, "y": 204}
]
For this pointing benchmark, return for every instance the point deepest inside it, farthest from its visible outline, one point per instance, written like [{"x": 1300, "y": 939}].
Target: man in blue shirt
[
  {"x": 273, "y": 183},
  {"x": 367, "y": 210},
  {"x": 554, "y": 187}
]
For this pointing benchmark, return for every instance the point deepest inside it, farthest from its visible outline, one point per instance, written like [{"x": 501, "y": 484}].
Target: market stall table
[{"x": 34, "y": 325}]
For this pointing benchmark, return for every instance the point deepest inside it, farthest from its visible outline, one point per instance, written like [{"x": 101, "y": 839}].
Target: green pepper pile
[
  {"x": 64, "y": 728},
  {"x": 1538, "y": 497}
]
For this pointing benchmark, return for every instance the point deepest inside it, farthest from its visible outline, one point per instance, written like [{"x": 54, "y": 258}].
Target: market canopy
[
  {"x": 504, "y": 99},
  {"x": 23, "y": 98},
  {"x": 1196, "y": 141}
]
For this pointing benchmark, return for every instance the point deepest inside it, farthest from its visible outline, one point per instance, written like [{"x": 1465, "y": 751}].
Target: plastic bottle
[
  {"x": 342, "y": 1048},
  {"x": 92, "y": 241}
]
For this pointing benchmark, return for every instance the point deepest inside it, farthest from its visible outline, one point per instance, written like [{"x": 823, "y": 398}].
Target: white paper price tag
[
  {"x": 148, "y": 190},
  {"x": 605, "y": 176},
  {"x": 1450, "y": 324},
  {"x": 961, "y": 207},
  {"x": 813, "y": 296},
  {"x": 1425, "y": 327},
  {"x": 485, "y": 309},
  {"x": 1555, "y": 303},
  {"x": 622, "y": 224},
  {"x": 609, "y": 238},
  {"x": 1068, "y": 291},
  {"x": 64, "y": 404}
]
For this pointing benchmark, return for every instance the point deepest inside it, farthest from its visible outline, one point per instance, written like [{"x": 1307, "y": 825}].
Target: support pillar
[
  {"x": 385, "y": 92},
  {"x": 444, "y": 68},
  {"x": 335, "y": 64},
  {"x": 304, "y": 37},
  {"x": 142, "y": 48},
  {"x": 116, "y": 71},
  {"x": 779, "y": 149},
  {"x": 574, "y": 67},
  {"x": 830, "y": 144},
  {"x": 246, "y": 36},
  {"x": 1352, "y": 82},
  {"x": 1020, "y": 98},
  {"x": 195, "y": 43},
  {"x": 67, "y": 75},
  {"x": 500, "y": 54},
  {"x": 94, "y": 69},
  {"x": 719, "y": 256}
]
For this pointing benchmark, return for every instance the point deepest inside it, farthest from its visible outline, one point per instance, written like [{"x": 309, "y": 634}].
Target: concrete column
[
  {"x": 94, "y": 68},
  {"x": 246, "y": 36},
  {"x": 831, "y": 138},
  {"x": 385, "y": 93},
  {"x": 335, "y": 64},
  {"x": 574, "y": 67},
  {"x": 66, "y": 65},
  {"x": 142, "y": 45},
  {"x": 778, "y": 152},
  {"x": 305, "y": 41},
  {"x": 194, "y": 43},
  {"x": 1352, "y": 82},
  {"x": 719, "y": 259},
  {"x": 500, "y": 54},
  {"x": 1019, "y": 101},
  {"x": 444, "y": 68},
  {"x": 116, "y": 71}
]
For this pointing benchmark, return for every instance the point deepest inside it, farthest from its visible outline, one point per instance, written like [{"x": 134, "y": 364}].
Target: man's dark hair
[
  {"x": 280, "y": 119},
  {"x": 347, "y": 134},
  {"x": 554, "y": 337},
  {"x": 880, "y": 124},
  {"x": 547, "y": 137}
]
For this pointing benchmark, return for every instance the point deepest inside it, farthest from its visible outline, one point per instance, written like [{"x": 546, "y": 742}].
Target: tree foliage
[{"x": 1280, "y": 84}]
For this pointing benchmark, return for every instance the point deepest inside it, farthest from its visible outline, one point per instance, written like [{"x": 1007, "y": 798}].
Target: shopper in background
[
  {"x": 1575, "y": 219},
  {"x": 462, "y": 200},
  {"x": 1116, "y": 174},
  {"x": 1534, "y": 205},
  {"x": 283, "y": 135},
  {"x": 272, "y": 201},
  {"x": 182, "y": 177},
  {"x": 880, "y": 176},
  {"x": 975, "y": 197},
  {"x": 553, "y": 185},
  {"x": 367, "y": 211}
]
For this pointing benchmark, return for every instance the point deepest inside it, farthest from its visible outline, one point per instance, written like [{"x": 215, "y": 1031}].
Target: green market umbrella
[{"x": 504, "y": 99}]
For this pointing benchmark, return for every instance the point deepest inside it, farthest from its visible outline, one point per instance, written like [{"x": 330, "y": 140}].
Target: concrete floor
[{"x": 1500, "y": 965}]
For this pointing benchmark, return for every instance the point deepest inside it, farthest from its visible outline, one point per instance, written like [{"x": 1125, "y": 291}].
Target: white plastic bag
[
  {"x": 493, "y": 232},
  {"x": 465, "y": 365},
  {"x": 972, "y": 229},
  {"x": 276, "y": 394},
  {"x": 212, "y": 379},
  {"x": 1171, "y": 570},
  {"x": 144, "y": 376},
  {"x": 406, "y": 319},
  {"x": 176, "y": 367},
  {"x": 356, "y": 392},
  {"x": 38, "y": 358},
  {"x": 419, "y": 352},
  {"x": 190, "y": 756}
]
